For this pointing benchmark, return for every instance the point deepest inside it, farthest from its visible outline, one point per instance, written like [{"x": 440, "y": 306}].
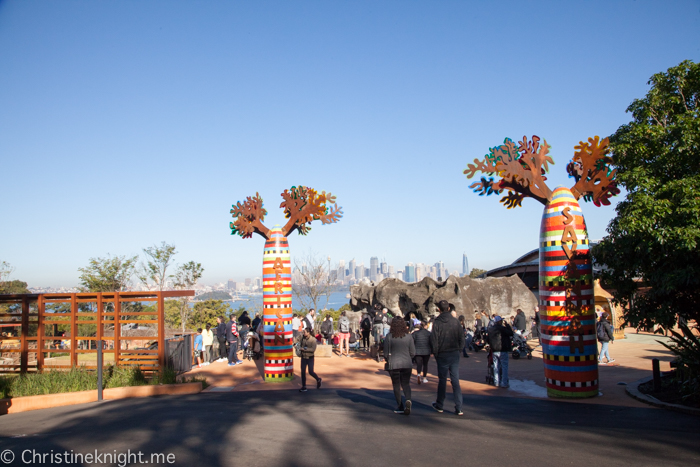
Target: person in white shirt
[
  {"x": 207, "y": 341},
  {"x": 296, "y": 324}
]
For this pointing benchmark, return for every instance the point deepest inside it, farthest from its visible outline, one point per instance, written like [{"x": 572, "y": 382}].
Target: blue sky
[{"x": 124, "y": 124}]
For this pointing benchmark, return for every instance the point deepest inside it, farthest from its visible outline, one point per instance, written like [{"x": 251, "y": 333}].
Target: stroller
[
  {"x": 479, "y": 340},
  {"x": 520, "y": 347},
  {"x": 251, "y": 346}
]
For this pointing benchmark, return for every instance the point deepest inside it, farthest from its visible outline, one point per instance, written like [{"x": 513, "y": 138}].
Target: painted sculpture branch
[{"x": 590, "y": 167}]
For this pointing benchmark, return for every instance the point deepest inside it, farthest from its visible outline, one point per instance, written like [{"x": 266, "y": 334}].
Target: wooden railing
[{"x": 62, "y": 330}]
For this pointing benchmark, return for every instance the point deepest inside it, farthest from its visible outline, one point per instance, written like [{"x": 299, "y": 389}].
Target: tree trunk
[
  {"x": 567, "y": 304},
  {"x": 277, "y": 308}
]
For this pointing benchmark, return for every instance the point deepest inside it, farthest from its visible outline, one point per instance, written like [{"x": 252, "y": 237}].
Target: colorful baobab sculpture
[
  {"x": 567, "y": 309},
  {"x": 302, "y": 206}
]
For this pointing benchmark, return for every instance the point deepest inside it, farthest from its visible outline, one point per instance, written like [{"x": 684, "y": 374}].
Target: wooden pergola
[{"x": 62, "y": 330}]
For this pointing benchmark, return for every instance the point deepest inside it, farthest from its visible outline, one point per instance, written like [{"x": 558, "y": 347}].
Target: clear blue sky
[{"x": 123, "y": 124}]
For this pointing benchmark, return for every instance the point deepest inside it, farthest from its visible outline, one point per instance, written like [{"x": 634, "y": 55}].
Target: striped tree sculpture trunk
[
  {"x": 277, "y": 308},
  {"x": 567, "y": 309},
  {"x": 302, "y": 205}
]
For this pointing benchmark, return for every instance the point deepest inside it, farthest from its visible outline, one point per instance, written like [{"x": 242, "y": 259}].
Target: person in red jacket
[{"x": 232, "y": 338}]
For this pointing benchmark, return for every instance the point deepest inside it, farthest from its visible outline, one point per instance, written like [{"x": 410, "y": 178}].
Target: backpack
[
  {"x": 600, "y": 332},
  {"x": 326, "y": 328},
  {"x": 366, "y": 324},
  {"x": 343, "y": 325}
]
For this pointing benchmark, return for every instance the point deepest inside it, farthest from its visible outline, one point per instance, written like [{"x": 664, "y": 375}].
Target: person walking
[
  {"x": 309, "y": 320},
  {"x": 198, "y": 347},
  {"x": 296, "y": 324},
  {"x": 377, "y": 324},
  {"x": 344, "y": 334},
  {"x": 256, "y": 322},
  {"x": 221, "y": 337},
  {"x": 366, "y": 329},
  {"x": 463, "y": 325},
  {"x": 207, "y": 341},
  {"x": 327, "y": 329},
  {"x": 307, "y": 342},
  {"x": 386, "y": 322},
  {"x": 605, "y": 336},
  {"x": 520, "y": 322},
  {"x": 232, "y": 338},
  {"x": 500, "y": 334},
  {"x": 399, "y": 350},
  {"x": 421, "y": 340},
  {"x": 446, "y": 341}
]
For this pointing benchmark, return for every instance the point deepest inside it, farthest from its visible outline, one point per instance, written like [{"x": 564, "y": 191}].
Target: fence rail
[{"x": 62, "y": 330}]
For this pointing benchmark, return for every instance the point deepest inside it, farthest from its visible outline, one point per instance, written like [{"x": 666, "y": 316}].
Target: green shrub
[
  {"x": 165, "y": 376},
  {"x": 121, "y": 376},
  {"x": 686, "y": 348},
  {"x": 80, "y": 379},
  {"x": 52, "y": 382}
]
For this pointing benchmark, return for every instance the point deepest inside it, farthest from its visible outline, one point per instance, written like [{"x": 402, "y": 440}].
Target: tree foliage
[
  {"x": 111, "y": 274},
  {"x": 476, "y": 272},
  {"x": 200, "y": 314},
  {"x": 154, "y": 273},
  {"x": 207, "y": 312},
  {"x": 186, "y": 277},
  {"x": 653, "y": 240}
]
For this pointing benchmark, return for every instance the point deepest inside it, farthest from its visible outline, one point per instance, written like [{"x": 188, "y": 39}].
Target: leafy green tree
[
  {"x": 111, "y": 274},
  {"x": 651, "y": 251},
  {"x": 173, "y": 319},
  {"x": 13, "y": 287},
  {"x": 476, "y": 272},
  {"x": 207, "y": 312},
  {"x": 6, "y": 270},
  {"x": 154, "y": 273},
  {"x": 186, "y": 277}
]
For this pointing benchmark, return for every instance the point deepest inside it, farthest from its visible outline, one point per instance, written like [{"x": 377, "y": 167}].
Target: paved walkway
[
  {"x": 350, "y": 422},
  {"x": 632, "y": 362}
]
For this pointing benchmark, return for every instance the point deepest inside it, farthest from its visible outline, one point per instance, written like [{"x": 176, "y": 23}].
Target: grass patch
[{"x": 80, "y": 379}]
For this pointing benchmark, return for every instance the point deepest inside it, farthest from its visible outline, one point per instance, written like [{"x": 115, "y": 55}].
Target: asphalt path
[{"x": 336, "y": 427}]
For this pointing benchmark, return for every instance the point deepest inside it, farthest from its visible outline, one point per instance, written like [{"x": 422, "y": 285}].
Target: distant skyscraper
[
  {"x": 231, "y": 284},
  {"x": 373, "y": 268},
  {"x": 351, "y": 270},
  {"x": 392, "y": 271},
  {"x": 399, "y": 275},
  {"x": 384, "y": 268},
  {"x": 359, "y": 272},
  {"x": 409, "y": 274},
  {"x": 247, "y": 282},
  {"x": 340, "y": 274},
  {"x": 465, "y": 265}
]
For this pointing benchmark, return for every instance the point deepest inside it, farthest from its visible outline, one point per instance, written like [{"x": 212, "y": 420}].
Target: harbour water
[{"x": 254, "y": 302}]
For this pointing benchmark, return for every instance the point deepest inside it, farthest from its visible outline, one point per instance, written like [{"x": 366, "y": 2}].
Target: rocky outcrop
[{"x": 501, "y": 295}]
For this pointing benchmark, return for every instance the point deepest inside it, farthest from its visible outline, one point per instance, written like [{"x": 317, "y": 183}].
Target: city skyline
[{"x": 143, "y": 122}]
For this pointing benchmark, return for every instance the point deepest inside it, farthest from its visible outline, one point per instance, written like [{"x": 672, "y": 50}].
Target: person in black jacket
[
  {"x": 221, "y": 337},
  {"x": 399, "y": 350},
  {"x": 500, "y": 334},
  {"x": 421, "y": 339},
  {"x": 520, "y": 322},
  {"x": 446, "y": 341},
  {"x": 605, "y": 336}
]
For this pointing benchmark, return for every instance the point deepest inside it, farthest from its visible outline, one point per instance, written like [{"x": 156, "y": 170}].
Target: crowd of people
[{"x": 400, "y": 342}]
